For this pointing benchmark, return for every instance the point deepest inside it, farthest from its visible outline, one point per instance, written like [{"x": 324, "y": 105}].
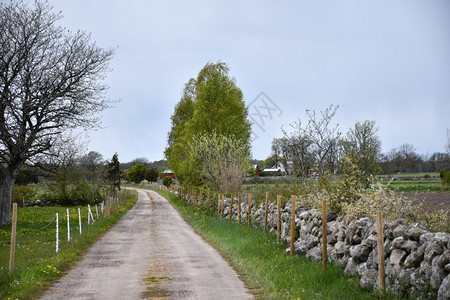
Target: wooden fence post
[
  {"x": 380, "y": 232},
  {"x": 239, "y": 207},
  {"x": 218, "y": 204},
  {"x": 279, "y": 218},
  {"x": 223, "y": 204},
  {"x": 249, "y": 209},
  {"x": 292, "y": 225},
  {"x": 13, "y": 239},
  {"x": 324, "y": 235},
  {"x": 231, "y": 205},
  {"x": 266, "y": 210}
]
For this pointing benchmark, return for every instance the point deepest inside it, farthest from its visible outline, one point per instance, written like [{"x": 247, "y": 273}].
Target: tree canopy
[
  {"x": 140, "y": 172},
  {"x": 210, "y": 104}
]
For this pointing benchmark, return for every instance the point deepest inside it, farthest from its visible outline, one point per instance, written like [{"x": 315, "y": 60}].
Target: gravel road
[{"x": 150, "y": 253}]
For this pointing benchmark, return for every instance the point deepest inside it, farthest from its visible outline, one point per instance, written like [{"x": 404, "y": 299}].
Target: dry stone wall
[{"x": 417, "y": 261}]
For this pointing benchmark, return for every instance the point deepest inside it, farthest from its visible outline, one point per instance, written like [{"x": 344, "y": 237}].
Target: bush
[
  {"x": 167, "y": 181},
  {"x": 442, "y": 172},
  {"x": 74, "y": 194},
  {"x": 152, "y": 175},
  {"x": 21, "y": 192},
  {"x": 445, "y": 175},
  {"x": 349, "y": 195}
]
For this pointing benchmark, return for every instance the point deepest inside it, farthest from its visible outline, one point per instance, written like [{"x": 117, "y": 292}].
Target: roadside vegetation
[
  {"x": 37, "y": 265},
  {"x": 263, "y": 264}
]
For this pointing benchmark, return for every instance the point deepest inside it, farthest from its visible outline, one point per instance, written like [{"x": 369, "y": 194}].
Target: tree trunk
[{"x": 6, "y": 187}]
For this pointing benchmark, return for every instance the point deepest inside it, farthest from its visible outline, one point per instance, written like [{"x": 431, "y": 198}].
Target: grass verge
[
  {"x": 262, "y": 264},
  {"x": 37, "y": 265}
]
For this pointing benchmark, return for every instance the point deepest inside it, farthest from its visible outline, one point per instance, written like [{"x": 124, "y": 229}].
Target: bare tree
[
  {"x": 49, "y": 83},
  {"x": 324, "y": 137},
  {"x": 91, "y": 161},
  {"x": 312, "y": 145}
]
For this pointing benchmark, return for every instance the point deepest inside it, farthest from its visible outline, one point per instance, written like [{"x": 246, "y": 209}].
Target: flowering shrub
[{"x": 349, "y": 195}]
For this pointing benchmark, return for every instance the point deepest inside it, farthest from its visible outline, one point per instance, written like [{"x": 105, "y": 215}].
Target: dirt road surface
[{"x": 151, "y": 253}]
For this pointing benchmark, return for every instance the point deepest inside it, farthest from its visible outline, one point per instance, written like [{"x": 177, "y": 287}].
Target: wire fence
[{"x": 67, "y": 223}]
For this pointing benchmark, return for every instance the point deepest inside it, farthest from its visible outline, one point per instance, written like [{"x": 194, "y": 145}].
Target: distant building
[
  {"x": 277, "y": 170},
  {"x": 168, "y": 172},
  {"x": 272, "y": 172}
]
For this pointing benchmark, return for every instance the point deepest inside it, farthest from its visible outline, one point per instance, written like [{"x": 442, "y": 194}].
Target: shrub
[
  {"x": 442, "y": 172},
  {"x": 446, "y": 178},
  {"x": 167, "y": 181},
  {"x": 349, "y": 196},
  {"x": 152, "y": 175},
  {"x": 21, "y": 192},
  {"x": 137, "y": 173}
]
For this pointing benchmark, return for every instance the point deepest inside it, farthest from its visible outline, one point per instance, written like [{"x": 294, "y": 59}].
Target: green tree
[
  {"x": 140, "y": 172},
  {"x": 112, "y": 174},
  {"x": 152, "y": 175},
  {"x": 178, "y": 137},
  {"x": 363, "y": 146},
  {"x": 167, "y": 181},
  {"x": 269, "y": 162},
  {"x": 210, "y": 103},
  {"x": 137, "y": 173}
]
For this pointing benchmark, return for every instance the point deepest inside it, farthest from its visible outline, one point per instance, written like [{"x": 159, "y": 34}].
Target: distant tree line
[
  {"x": 405, "y": 159},
  {"x": 160, "y": 165},
  {"x": 90, "y": 168}
]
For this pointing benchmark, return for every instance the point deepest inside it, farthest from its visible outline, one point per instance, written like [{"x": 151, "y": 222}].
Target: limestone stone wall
[{"x": 417, "y": 261}]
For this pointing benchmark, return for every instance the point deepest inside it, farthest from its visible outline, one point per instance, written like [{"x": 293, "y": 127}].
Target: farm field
[
  {"x": 413, "y": 182},
  {"x": 420, "y": 187}
]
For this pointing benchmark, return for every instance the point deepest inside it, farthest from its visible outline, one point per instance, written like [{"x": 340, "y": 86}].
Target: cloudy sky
[{"x": 387, "y": 61}]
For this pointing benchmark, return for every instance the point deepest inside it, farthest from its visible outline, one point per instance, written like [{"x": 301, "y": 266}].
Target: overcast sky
[{"x": 387, "y": 61}]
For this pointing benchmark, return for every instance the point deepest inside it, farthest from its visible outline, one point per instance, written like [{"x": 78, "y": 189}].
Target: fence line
[
  {"x": 14, "y": 227},
  {"x": 40, "y": 229}
]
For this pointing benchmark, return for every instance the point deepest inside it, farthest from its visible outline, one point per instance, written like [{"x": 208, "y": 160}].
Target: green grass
[
  {"x": 413, "y": 175},
  {"x": 263, "y": 264},
  {"x": 37, "y": 265},
  {"x": 416, "y": 186}
]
